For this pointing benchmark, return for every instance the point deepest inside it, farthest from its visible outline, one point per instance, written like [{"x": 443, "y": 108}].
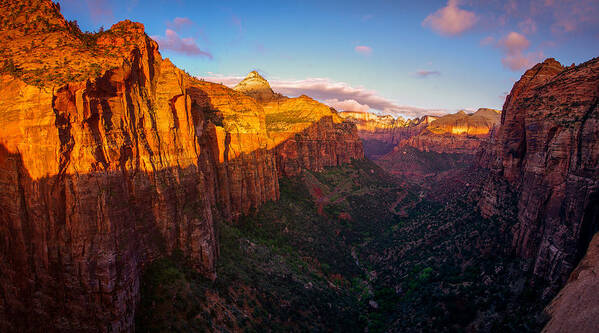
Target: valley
[{"x": 135, "y": 196}]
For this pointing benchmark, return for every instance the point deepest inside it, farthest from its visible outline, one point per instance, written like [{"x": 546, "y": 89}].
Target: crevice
[
  {"x": 579, "y": 136},
  {"x": 589, "y": 225},
  {"x": 63, "y": 125}
]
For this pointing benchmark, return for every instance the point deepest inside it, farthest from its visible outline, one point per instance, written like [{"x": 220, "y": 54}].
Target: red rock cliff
[
  {"x": 110, "y": 157},
  {"x": 303, "y": 133},
  {"x": 547, "y": 152},
  {"x": 380, "y": 133},
  {"x": 458, "y": 133}
]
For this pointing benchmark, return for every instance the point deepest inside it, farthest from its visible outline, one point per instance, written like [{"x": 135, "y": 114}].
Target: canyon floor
[{"x": 349, "y": 249}]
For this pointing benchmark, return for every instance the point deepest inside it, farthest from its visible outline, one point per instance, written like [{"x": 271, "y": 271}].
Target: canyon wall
[
  {"x": 111, "y": 157},
  {"x": 381, "y": 133},
  {"x": 307, "y": 134},
  {"x": 575, "y": 309},
  {"x": 458, "y": 133},
  {"x": 303, "y": 133},
  {"x": 547, "y": 152}
]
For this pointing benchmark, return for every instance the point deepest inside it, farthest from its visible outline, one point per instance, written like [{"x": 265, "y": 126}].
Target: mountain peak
[
  {"x": 254, "y": 85},
  {"x": 254, "y": 75}
]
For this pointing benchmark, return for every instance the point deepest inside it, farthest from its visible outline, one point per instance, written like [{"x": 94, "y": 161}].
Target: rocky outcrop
[
  {"x": 380, "y": 133},
  {"x": 547, "y": 152},
  {"x": 111, "y": 157},
  {"x": 303, "y": 133},
  {"x": 575, "y": 309},
  {"x": 307, "y": 134},
  {"x": 258, "y": 88},
  {"x": 437, "y": 147},
  {"x": 458, "y": 133},
  {"x": 375, "y": 127}
]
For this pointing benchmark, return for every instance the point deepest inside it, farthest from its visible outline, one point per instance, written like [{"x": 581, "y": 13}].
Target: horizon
[{"x": 406, "y": 59}]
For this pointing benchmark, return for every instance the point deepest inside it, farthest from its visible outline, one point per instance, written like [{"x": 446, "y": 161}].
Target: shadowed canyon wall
[
  {"x": 547, "y": 152},
  {"x": 110, "y": 157}
]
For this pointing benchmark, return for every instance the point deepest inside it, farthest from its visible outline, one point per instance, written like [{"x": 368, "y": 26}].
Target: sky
[{"x": 405, "y": 58}]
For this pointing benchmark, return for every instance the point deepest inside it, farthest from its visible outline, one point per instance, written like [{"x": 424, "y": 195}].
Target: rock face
[
  {"x": 547, "y": 152},
  {"x": 110, "y": 157},
  {"x": 458, "y": 133},
  {"x": 436, "y": 147},
  {"x": 257, "y": 87},
  {"x": 374, "y": 127},
  {"x": 303, "y": 133},
  {"x": 307, "y": 134},
  {"x": 380, "y": 133},
  {"x": 575, "y": 307}
]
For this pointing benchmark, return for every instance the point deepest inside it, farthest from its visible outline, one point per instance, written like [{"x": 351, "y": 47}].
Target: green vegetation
[{"x": 349, "y": 249}]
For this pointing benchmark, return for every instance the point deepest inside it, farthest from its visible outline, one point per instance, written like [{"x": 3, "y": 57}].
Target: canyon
[{"x": 134, "y": 196}]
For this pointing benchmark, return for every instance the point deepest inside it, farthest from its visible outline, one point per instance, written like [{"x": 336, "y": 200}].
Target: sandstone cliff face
[
  {"x": 547, "y": 152},
  {"x": 375, "y": 127},
  {"x": 458, "y": 133},
  {"x": 257, "y": 87},
  {"x": 309, "y": 135},
  {"x": 303, "y": 133},
  {"x": 110, "y": 157},
  {"x": 574, "y": 309}
]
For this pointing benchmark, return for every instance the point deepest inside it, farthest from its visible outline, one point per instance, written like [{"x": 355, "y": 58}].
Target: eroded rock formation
[
  {"x": 547, "y": 152},
  {"x": 110, "y": 157},
  {"x": 380, "y": 133},
  {"x": 303, "y": 133},
  {"x": 575, "y": 308},
  {"x": 458, "y": 133}
]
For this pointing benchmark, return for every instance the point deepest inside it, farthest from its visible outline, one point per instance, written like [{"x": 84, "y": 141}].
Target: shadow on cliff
[{"x": 72, "y": 246}]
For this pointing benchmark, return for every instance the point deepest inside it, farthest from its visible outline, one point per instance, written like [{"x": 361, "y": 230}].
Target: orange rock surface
[
  {"x": 454, "y": 133},
  {"x": 458, "y": 133},
  {"x": 303, "y": 133},
  {"x": 111, "y": 157}
]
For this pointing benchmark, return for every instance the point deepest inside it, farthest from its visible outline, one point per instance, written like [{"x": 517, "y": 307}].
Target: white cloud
[
  {"x": 514, "y": 46},
  {"x": 346, "y": 105},
  {"x": 324, "y": 89},
  {"x": 450, "y": 20}
]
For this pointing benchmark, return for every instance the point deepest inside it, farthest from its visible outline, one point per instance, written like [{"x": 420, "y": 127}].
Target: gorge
[{"x": 137, "y": 197}]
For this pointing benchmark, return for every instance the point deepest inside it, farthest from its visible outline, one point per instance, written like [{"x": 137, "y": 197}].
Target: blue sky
[{"x": 400, "y": 57}]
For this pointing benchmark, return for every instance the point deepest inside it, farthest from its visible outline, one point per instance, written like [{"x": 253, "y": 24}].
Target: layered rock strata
[
  {"x": 111, "y": 157},
  {"x": 458, "y": 133},
  {"x": 575, "y": 308},
  {"x": 547, "y": 151},
  {"x": 303, "y": 133}
]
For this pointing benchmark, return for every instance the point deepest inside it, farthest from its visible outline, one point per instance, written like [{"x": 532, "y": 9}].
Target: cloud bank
[
  {"x": 339, "y": 95},
  {"x": 179, "y": 23}
]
